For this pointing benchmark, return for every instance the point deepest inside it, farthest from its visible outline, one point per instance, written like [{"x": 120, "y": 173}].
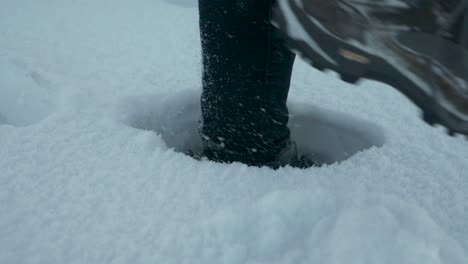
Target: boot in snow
[{"x": 416, "y": 46}]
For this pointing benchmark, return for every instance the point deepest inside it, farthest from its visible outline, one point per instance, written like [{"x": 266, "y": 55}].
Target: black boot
[
  {"x": 246, "y": 77},
  {"x": 416, "y": 46}
]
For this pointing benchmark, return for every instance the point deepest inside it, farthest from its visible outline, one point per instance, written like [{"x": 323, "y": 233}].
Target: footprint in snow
[
  {"x": 332, "y": 136},
  {"x": 26, "y": 96}
]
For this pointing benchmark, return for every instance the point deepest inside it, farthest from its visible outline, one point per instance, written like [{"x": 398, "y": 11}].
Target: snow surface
[{"x": 99, "y": 98}]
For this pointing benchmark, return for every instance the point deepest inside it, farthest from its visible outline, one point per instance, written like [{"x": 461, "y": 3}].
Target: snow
[{"x": 99, "y": 98}]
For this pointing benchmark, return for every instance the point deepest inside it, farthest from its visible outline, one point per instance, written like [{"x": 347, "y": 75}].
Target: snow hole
[{"x": 332, "y": 137}]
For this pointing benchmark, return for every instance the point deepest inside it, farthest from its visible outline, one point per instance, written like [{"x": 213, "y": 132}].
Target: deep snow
[{"x": 98, "y": 99}]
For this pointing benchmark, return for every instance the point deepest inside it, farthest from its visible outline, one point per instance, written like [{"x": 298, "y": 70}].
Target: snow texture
[
  {"x": 26, "y": 94},
  {"x": 183, "y": 3},
  {"x": 98, "y": 100}
]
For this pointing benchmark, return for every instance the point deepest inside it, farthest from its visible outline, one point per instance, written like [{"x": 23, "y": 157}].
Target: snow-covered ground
[{"x": 99, "y": 98}]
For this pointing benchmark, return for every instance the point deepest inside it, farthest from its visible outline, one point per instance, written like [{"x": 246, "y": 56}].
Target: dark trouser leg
[{"x": 246, "y": 76}]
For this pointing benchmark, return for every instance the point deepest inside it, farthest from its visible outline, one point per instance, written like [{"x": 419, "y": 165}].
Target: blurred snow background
[{"x": 98, "y": 99}]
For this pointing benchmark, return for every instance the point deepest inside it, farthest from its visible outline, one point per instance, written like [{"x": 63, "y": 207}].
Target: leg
[{"x": 246, "y": 77}]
